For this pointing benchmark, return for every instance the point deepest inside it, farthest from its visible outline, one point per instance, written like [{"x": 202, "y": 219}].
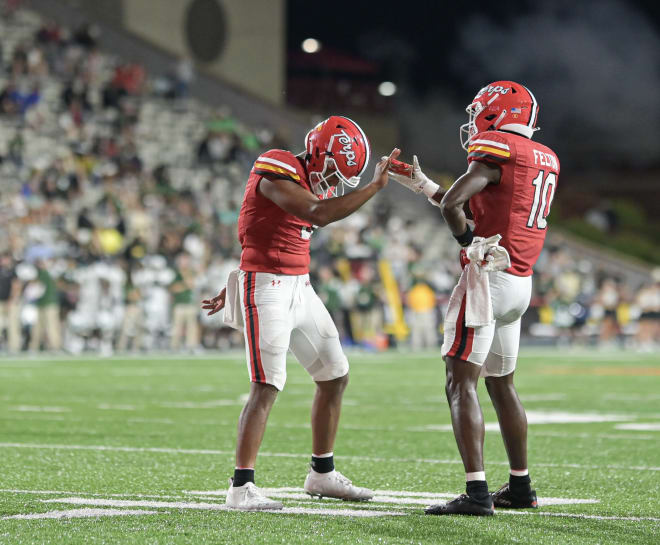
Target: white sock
[
  {"x": 326, "y": 455},
  {"x": 475, "y": 476},
  {"x": 519, "y": 472}
]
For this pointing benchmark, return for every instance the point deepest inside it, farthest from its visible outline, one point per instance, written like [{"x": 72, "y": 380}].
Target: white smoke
[{"x": 593, "y": 66}]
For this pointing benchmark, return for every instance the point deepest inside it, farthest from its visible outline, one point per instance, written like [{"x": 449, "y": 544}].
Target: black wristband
[{"x": 466, "y": 238}]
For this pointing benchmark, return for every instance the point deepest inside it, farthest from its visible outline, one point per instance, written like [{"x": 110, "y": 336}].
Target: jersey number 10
[{"x": 543, "y": 194}]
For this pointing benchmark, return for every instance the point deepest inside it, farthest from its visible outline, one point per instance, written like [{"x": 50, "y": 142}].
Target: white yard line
[
  {"x": 223, "y": 507},
  {"x": 391, "y": 497},
  {"x": 655, "y": 426},
  {"x": 170, "y": 450},
  {"x": 43, "y": 359},
  {"x": 347, "y": 512},
  {"x": 38, "y": 416},
  {"x": 201, "y": 404},
  {"x": 542, "y": 397},
  {"x": 38, "y": 409},
  {"x": 613, "y": 436},
  {"x": 82, "y": 513},
  {"x": 631, "y": 397},
  {"x": 145, "y": 420},
  {"x": 93, "y": 494},
  {"x": 493, "y": 427},
  {"x": 400, "y": 500},
  {"x": 396, "y": 497}
]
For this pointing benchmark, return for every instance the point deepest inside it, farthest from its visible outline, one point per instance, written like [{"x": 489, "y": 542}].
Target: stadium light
[
  {"x": 311, "y": 45},
  {"x": 387, "y": 89}
]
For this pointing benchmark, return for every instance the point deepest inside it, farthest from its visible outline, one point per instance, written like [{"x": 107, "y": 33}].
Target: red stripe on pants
[
  {"x": 459, "y": 328},
  {"x": 255, "y": 314},
  {"x": 248, "y": 330},
  {"x": 468, "y": 345}
]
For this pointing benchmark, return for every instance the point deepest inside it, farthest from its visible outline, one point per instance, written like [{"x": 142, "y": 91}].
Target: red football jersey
[
  {"x": 517, "y": 207},
  {"x": 273, "y": 240}
]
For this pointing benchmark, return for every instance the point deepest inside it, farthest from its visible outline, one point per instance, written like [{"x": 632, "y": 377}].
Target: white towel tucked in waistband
[
  {"x": 485, "y": 255},
  {"x": 233, "y": 316}
]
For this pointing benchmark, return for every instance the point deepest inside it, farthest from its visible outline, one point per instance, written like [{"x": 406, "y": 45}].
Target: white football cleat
[
  {"x": 249, "y": 498},
  {"x": 335, "y": 485}
]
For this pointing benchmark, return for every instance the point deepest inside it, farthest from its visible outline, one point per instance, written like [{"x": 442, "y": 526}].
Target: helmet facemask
[
  {"x": 323, "y": 188},
  {"x": 469, "y": 130}
]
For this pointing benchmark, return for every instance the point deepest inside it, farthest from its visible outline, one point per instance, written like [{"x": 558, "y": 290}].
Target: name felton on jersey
[{"x": 518, "y": 206}]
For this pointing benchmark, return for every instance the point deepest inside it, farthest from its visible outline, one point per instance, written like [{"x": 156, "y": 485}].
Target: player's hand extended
[
  {"x": 415, "y": 181},
  {"x": 381, "y": 175},
  {"x": 215, "y": 304}
]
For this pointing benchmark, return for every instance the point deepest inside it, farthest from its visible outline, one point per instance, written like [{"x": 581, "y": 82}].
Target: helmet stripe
[
  {"x": 532, "y": 117},
  {"x": 367, "y": 146}
]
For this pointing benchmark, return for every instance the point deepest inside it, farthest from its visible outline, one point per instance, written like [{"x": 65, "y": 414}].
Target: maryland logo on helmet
[
  {"x": 501, "y": 105},
  {"x": 336, "y": 146}
]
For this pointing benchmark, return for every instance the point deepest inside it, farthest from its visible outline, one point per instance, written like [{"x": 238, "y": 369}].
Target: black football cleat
[
  {"x": 463, "y": 505},
  {"x": 505, "y": 498}
]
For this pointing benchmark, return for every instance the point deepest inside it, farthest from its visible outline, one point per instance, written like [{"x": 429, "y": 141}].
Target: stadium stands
[{"x": 119, "y": 196}]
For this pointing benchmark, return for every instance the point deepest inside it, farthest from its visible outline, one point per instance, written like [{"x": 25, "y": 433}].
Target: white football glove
[{"x": 419, "y": 182}]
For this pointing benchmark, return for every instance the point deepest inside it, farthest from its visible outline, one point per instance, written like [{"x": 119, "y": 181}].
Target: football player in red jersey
[
  {"x": 286, "y": 197},
  {"x": 509, "y": 185}
]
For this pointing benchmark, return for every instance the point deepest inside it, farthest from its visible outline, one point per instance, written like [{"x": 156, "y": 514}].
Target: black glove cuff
[{"x": 466, "y": 238}]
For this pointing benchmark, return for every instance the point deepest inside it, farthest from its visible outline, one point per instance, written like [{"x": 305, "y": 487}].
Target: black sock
[
  {"x": 323, "y": 465},
  {"x": 521, "y": 485},
  {"x": 478, "y": 490},
  {"x": 242, "y": 476}
]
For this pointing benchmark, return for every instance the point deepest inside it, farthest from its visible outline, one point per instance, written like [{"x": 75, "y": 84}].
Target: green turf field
[{"x": 139, "y": 451}]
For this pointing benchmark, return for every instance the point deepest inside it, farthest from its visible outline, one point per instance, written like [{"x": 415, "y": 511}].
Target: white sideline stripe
[
  {"x": 400, "y": 497},
  {"x": 276, "y": 162},
  {"x": 169, "y": 450},
  {"x": 37, "y": 409},
  {"x": 222, "y": 507},
  {"x": 82, "y": 513},
  {"x": 638, "y": 427},
  {"x": 490, "y": 143}
]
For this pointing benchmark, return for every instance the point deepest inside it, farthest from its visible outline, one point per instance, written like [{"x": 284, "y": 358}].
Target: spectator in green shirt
[
  {"x": 47, "y": 326},
  {"x": 184, "y": 310}
]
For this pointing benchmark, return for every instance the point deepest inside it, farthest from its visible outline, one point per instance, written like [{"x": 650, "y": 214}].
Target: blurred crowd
[
  {"x": 578, "y": 303},
  {"x": 119, "y": 196}
]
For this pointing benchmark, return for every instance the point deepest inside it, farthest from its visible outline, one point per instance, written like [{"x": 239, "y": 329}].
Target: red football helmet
[
  {"x": 338, "y": 143},
  {"x": 502, "y": 105}
]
